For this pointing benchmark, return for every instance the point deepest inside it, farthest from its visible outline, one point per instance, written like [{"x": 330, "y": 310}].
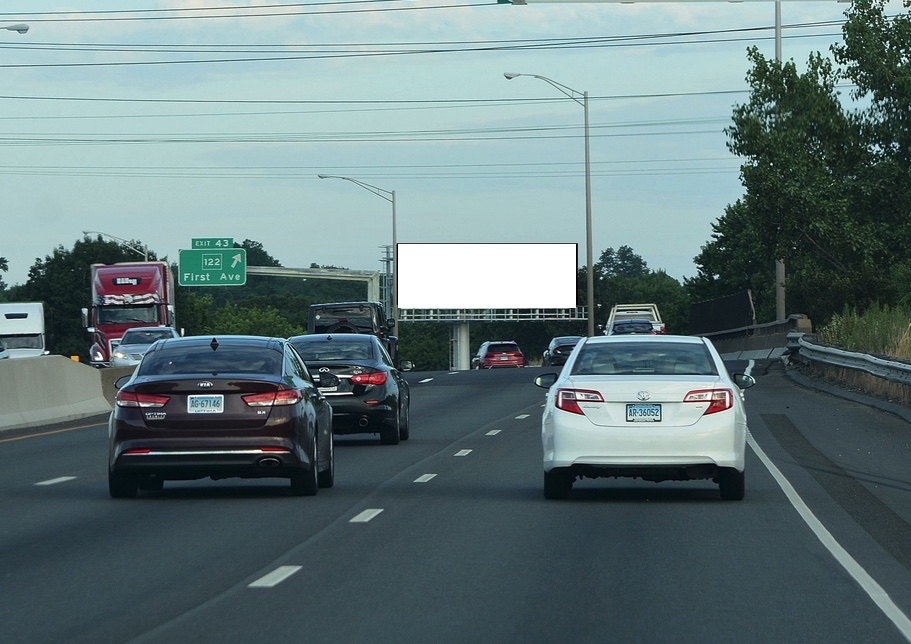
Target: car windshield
[
  {"x": 644, "y": 358},
  {"x": 202, "y": 359},
  {"x": 145, "y": 336},
  {"x": 335, "y": 349}
]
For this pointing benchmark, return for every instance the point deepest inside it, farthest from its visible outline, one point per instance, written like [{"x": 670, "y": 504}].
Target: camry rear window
[
  {"x": 635, "y": 358},
  {"x": 202, "y": 359}
]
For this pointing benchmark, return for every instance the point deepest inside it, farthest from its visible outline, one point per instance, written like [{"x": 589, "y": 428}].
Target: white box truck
[{"x": 22, "y": 330}]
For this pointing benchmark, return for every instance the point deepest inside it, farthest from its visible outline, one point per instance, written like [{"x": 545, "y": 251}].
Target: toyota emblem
[{"x": 643, "y": 395}]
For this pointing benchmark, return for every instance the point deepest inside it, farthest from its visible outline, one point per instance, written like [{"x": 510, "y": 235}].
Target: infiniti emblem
[
  {"x": 643, "y": 395},
  {"x": 324, "y": 369},
  {"x": 204, "y": 384}
]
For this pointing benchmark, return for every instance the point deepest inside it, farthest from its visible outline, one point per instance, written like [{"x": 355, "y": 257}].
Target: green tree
[{"x": 233, "y": 319}]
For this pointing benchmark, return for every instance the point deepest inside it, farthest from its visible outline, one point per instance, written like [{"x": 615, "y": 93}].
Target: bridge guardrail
[{"x": 891, "y": 370}]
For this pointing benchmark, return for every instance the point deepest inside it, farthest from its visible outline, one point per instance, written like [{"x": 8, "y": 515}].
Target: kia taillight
[
  {"x": 718, "y": 399},
  {"x": 270, "y": 398},
  {"x": 372, "y": 378},
  {"x": 569, "y": 399},
  {"x": 133, "y": 399}
]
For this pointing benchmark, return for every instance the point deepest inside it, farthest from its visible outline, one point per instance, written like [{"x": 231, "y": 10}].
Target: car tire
[
  {"x": 326, "y": 478},
  {"x": 732, "y": 484},
  {"x": 306, "y": 482},
  {"x": 123, "y": 486},
  {"x": 392, "y": 435},
  {"x": 557, "y": 484},
  {"x": 405, "y": 424}
]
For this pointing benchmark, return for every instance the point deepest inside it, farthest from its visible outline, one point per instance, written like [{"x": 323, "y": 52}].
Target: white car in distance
[
  {"x": 655, "y": 407},
  {"x": 135, "y": 342}
]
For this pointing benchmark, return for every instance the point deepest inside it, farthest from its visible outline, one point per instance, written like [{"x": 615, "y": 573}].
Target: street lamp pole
[
  {"x": 145, "y": 249},
  {"x": 589, "y": 260},
  {"x": 388, "y": 195}
]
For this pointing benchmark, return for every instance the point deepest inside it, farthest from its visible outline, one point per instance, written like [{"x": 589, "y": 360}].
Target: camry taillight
[
  {"x": 569, "y": 399},
  {"x": 270, "y": 398},
  {"x": 133, "y": 399},
  {"x": 372, "y": 378},
  {"x": 718, "y": 399}
]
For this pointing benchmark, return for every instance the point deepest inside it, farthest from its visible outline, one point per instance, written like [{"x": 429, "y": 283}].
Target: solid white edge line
[
  {"x": 423, "y": 478},
  {"x": 876, "y": 592},
  {"x": 275, "y": 577},
  {"x": 366, "y": 515},
  {"x": 59, "y": 479}
]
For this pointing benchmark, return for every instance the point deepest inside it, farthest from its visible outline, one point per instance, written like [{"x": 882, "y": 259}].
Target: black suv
[{"x": 354, "y": 317}]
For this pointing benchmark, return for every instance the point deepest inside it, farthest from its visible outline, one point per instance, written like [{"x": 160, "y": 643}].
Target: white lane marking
[
  {"x": 275, "y": 577},
  {"x": 493, "y": 432},
  {"x": 60, "y": 479},
  {"x": 423, "y": 478},
  {"x": 521, "y": 416},
  {"x": 420, "y": 382},
  {"x": 452, "y": 373},
  {"x": 366, "y": 515},
  {"x": 463, "y": 452},
  {"x": 874, "y": 591}
]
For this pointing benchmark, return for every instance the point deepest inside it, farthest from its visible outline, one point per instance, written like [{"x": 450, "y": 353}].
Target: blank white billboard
[{"x": 486, "y": 276}]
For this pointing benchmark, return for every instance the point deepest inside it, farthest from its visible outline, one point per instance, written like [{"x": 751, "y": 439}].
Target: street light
[
  {"x": 590, "y": 281},
  {"x": 388, "y": 195},
  {"x": 145, "y": 249},
  {"x": 21, "y": 28}
]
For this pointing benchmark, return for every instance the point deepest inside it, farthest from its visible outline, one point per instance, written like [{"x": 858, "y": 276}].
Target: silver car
[{"x": 135, "y": 342}]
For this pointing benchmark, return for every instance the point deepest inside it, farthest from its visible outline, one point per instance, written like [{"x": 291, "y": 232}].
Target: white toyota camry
[{"x": 656, "y": 407}]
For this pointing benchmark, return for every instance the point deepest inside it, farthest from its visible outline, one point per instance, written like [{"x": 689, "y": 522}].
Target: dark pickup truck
[{"x": 354, "y": 317}]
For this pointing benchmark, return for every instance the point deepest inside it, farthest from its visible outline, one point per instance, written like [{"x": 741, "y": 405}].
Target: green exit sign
[
  {"x": 211, "y": 242},
  {"x": 227, "y": 267}
]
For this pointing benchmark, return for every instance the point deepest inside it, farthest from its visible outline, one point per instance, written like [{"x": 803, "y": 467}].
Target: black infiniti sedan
[
  {"x": 559, "y": 349},
  {"x": 372, "y": 395},
  {"x": 220, "y": 407}
]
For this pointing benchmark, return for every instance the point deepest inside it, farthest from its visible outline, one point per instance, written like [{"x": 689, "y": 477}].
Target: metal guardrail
[{"x": 888, "y": 369}]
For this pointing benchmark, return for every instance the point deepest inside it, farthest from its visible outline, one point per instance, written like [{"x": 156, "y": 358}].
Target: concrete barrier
[{"x": 48, "y": 389}]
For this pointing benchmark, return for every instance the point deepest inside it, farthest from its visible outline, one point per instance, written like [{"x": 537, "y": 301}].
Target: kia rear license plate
[
  {"x": 640, "y": 413},
  {"x": 208, "y": 404}
]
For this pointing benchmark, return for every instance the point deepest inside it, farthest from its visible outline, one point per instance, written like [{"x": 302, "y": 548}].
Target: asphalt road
[{"x": 447, "y": 537}]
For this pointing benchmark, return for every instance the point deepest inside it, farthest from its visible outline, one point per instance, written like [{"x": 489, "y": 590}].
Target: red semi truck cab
[{"x": 124, "y": 296}]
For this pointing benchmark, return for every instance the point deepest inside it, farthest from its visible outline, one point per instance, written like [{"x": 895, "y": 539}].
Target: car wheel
[
  {"x": 122, "y": 486},
  {"x": 731, "y": 483},
  {"x": 326, "y": 478},
  {"x": 392, "y": 435},
  {"x": 557, "y": 484},
  {"x": 306, "y": 483},
  {"x": 405, "y": 423}
]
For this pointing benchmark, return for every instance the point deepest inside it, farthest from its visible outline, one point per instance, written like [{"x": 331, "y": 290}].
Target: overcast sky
[{"x": 147, "y": 122}]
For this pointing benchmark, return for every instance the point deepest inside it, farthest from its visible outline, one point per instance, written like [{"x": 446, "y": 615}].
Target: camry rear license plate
[
  {"x": 639, "y": 413},
  {"x": 211, "y": 404}
]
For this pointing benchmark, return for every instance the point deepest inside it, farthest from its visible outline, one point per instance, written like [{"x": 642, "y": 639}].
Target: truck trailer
[
  {"x": 22, "y": 333},
  {"x": 124, "y": 296}
]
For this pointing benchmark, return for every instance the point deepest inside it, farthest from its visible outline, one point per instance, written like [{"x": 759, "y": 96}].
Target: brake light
[
  {"x": 270, "y": 398},
  {"x": 145, "y": 401},
  {"x": 569, "y": 399},
  {"x": 372, "y": 378},
  {"x": 718, "y": 399}
]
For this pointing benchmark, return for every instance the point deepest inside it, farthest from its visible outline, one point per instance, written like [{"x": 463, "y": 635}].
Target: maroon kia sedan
[{"x": 221, "y": 407}]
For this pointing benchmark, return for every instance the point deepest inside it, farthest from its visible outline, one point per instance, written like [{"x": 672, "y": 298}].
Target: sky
[{"x": 165, "y": 121}]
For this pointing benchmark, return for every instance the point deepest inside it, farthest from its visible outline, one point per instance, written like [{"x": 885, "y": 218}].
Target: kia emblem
[{"x": 205, "y": 384}]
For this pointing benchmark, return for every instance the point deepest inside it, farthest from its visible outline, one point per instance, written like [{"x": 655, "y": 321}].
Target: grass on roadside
[{"x": 878, "y": 330}]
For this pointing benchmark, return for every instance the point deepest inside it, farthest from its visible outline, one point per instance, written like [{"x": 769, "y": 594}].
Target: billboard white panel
[{"x": 486, "y": 276}]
